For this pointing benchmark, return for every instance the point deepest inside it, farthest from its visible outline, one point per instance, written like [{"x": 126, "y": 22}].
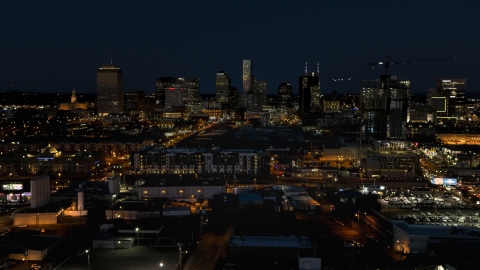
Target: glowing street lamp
[{"x": 138, "y": 239}]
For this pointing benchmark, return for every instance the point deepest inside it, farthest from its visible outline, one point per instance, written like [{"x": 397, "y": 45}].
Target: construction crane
[{"x": 389, "y": 63}]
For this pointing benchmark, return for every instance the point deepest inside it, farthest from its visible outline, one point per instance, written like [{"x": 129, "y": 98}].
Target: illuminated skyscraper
[
  {"x": 222, "y": 87},
  {"x": 247, "y": 75},
  {"x": 161, "y": 85},
  {"x": 308, "y": 94},
  {"x": 109, "y": 90},
  {"x": 449, "y": 99},
  {"x": 384, "y": 105},
  {"x": 284, "y": 94},
  {"x": 259, "y": 94},
  {"x": 191, "y": 87}
]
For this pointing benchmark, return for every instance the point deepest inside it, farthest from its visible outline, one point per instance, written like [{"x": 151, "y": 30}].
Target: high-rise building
[
  {"x": 191, "y": 87},
  {"x": 284, "y": 94},
  {"x": 308, "y": 94},
  {"x": 174, "y": 96},
  {"x": 259, "y": 94},
  {"x": 384, "y": 105},
  {"x": 247, "y": 75},
  {"x": 135, "y": 100},
  {"x": 449, "y": 99},
  {"x": 161, "y": 85},
  {"x": 109, "y": 90},
  {"x": 222, "y": 87},
  {"x": 177, "y": 92},
  {"x": 421, "y": 113},
  {"x": 233, "y": 96}
]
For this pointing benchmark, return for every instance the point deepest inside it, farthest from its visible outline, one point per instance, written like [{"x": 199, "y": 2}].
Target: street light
[
  {"x": 138, "y": 239},
  {"x": 180, "y": 255},
  {"x": 88, "y": 256},
  {"x": 161, "y": 265}
]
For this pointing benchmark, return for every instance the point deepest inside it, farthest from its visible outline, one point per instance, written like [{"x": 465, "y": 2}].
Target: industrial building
[
  {"x": 112, "y": 242},
  {"x": 29, "y": 245},
  {"x": 410, "y": 238},
  {"x": 187, "y": 189}
]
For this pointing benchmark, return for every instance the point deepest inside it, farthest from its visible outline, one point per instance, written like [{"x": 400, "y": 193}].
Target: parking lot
[{"x": 422, "y": 208}]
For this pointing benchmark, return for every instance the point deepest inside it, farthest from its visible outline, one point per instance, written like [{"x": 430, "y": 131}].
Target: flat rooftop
[
  {"x": 269, "y": 241},
  {"x": 438, "y": 231},
  {"x": 163, "y": 182}
]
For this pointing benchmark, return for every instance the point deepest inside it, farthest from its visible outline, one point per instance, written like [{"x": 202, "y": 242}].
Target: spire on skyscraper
[
  {"x": 318, "y": 68},
  {"x": 306, "y": 69}
]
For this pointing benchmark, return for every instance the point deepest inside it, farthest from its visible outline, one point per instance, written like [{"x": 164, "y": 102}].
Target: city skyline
[{"x": 60, "y": 46}]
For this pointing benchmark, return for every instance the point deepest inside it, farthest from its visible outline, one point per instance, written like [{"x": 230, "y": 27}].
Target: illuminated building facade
[
  {"x": 284, "y": 94},
  {"x": 73, "y": 105},
  {"x": 191, "y": 161},
  {"x": 109, "y": 90},
  {"x": 135, "y": 101},
  {"x": 50, "y": 160},
  {"x": 222, "y": 87},
  {"x": 247, "y": 75},
  {"x": 173, "y": 92},
  {"x": 161, "y": 85},
  {"x": 308, "y": 94},
  {"x": 449, "y": 99},
  {"x": 259, "y": 94},
  {"x": 384, "y": 104}
]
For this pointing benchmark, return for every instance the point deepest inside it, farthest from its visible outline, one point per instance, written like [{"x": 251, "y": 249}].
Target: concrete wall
[
  {"x": 201, "y": 192},
  {"x": 114, "y": 184},
  {"x": 34, "y": 219},
  {"x": 75, "y": 213},
  {"x": 40, "y": 188}
]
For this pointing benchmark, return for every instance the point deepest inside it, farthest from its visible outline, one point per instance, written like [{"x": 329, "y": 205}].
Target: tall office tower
[
  {"x": 247, "y": 75},
  {"x": 191, "y": 87},
  {"x": 449, "y": 99},
  {"x": 308, "y": 94},
  {"x": 174, "y": 96},
  {"x": 109, "y": 90},
  {"x": 260, "y": 94},
  {"x": 233, "y": 96},
  {"x": 284, "y": 94},
  {"x": 161, "y": 85},
  {"x": 222, "y": 87},
  {"x": 135, "y": 100},
  {"x": 384, "y": 104}
]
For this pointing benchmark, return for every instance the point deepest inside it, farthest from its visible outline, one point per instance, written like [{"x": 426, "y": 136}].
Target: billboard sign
[
  {"x": 444, "y": 181},
  {"x": 12, "y": 186}
]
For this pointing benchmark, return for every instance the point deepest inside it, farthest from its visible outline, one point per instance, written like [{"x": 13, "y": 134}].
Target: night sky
[{"x": 53, "y": 46}]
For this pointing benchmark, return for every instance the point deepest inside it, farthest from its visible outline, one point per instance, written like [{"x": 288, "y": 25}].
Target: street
[{"x": 212, "y": 245}]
